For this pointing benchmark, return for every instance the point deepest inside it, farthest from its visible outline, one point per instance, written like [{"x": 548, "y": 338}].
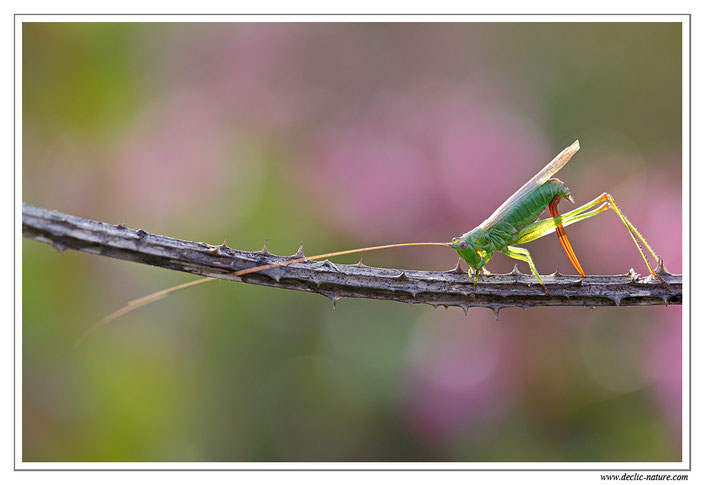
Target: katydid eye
[{"x": 463, "y": 245}]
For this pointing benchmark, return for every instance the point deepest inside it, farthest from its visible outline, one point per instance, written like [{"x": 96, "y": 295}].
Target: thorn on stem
[
  {"x": 495, "y": 309},
  {"x": 661, "y": 269},
  {"x": 457, "y": 269},
  {"x": 214, "y": 250},
  {"x": 334, "y": 297},
  {"x": 328, "y": 264},
  {"x": 300, "y": 252},
  {"x": 265, "y": 249},
  {"x": 273, "y": 273},
  {"x": 60, "y": 247}
]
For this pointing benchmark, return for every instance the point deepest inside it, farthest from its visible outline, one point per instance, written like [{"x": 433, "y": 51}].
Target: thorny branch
[{"x": 450, "y": 288}]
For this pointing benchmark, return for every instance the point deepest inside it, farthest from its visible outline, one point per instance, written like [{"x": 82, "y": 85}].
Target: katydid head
[
  {"x": 473, "y": 247},
  {"x": 459, "y": 244}
]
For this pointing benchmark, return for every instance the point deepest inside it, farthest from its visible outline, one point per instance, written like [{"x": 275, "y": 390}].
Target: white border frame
[{"x": 612, "y": 467}]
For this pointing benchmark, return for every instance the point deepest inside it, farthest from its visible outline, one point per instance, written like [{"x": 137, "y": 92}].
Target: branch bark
[{"x": 450, "y": 288}]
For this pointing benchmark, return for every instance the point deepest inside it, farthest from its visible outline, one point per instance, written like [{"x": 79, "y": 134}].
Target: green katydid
[{"x": 514, "y": 222}]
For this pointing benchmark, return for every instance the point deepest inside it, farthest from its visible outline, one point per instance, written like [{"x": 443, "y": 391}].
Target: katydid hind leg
[
  {"x": 603, "y": 202},
  {"x": 563, "y": 237},
  {"x": 635, "y": 234}
]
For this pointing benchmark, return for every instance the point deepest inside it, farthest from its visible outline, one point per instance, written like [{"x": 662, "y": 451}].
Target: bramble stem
[{"x": 451, "y": 288}]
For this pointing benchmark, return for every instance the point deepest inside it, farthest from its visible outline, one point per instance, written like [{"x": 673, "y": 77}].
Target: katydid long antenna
[{"x": 158, "y": 295}]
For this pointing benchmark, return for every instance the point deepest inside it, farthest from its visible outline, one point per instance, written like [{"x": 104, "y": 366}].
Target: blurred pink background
[{"x": 344, "y": 135}]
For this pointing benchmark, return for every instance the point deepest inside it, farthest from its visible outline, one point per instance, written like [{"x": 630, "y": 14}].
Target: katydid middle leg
[{"x": 523, "y": 255}]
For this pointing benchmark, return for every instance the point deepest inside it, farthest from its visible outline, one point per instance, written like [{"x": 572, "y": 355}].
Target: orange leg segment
[{"x": 563, "y": 237}]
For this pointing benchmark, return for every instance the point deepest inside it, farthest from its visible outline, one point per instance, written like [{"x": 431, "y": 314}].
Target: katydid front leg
[{"x": 480, "y": 267}]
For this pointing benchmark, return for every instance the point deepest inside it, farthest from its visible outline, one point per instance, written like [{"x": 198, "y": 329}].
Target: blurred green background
[{"x": 344, "y": 135}]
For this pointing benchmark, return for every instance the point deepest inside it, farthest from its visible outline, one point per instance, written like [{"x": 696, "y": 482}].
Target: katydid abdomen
[{"x": 523, "y": 212}]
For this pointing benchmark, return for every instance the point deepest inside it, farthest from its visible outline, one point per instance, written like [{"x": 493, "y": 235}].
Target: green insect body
[{"x": 477, "y": 246}]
